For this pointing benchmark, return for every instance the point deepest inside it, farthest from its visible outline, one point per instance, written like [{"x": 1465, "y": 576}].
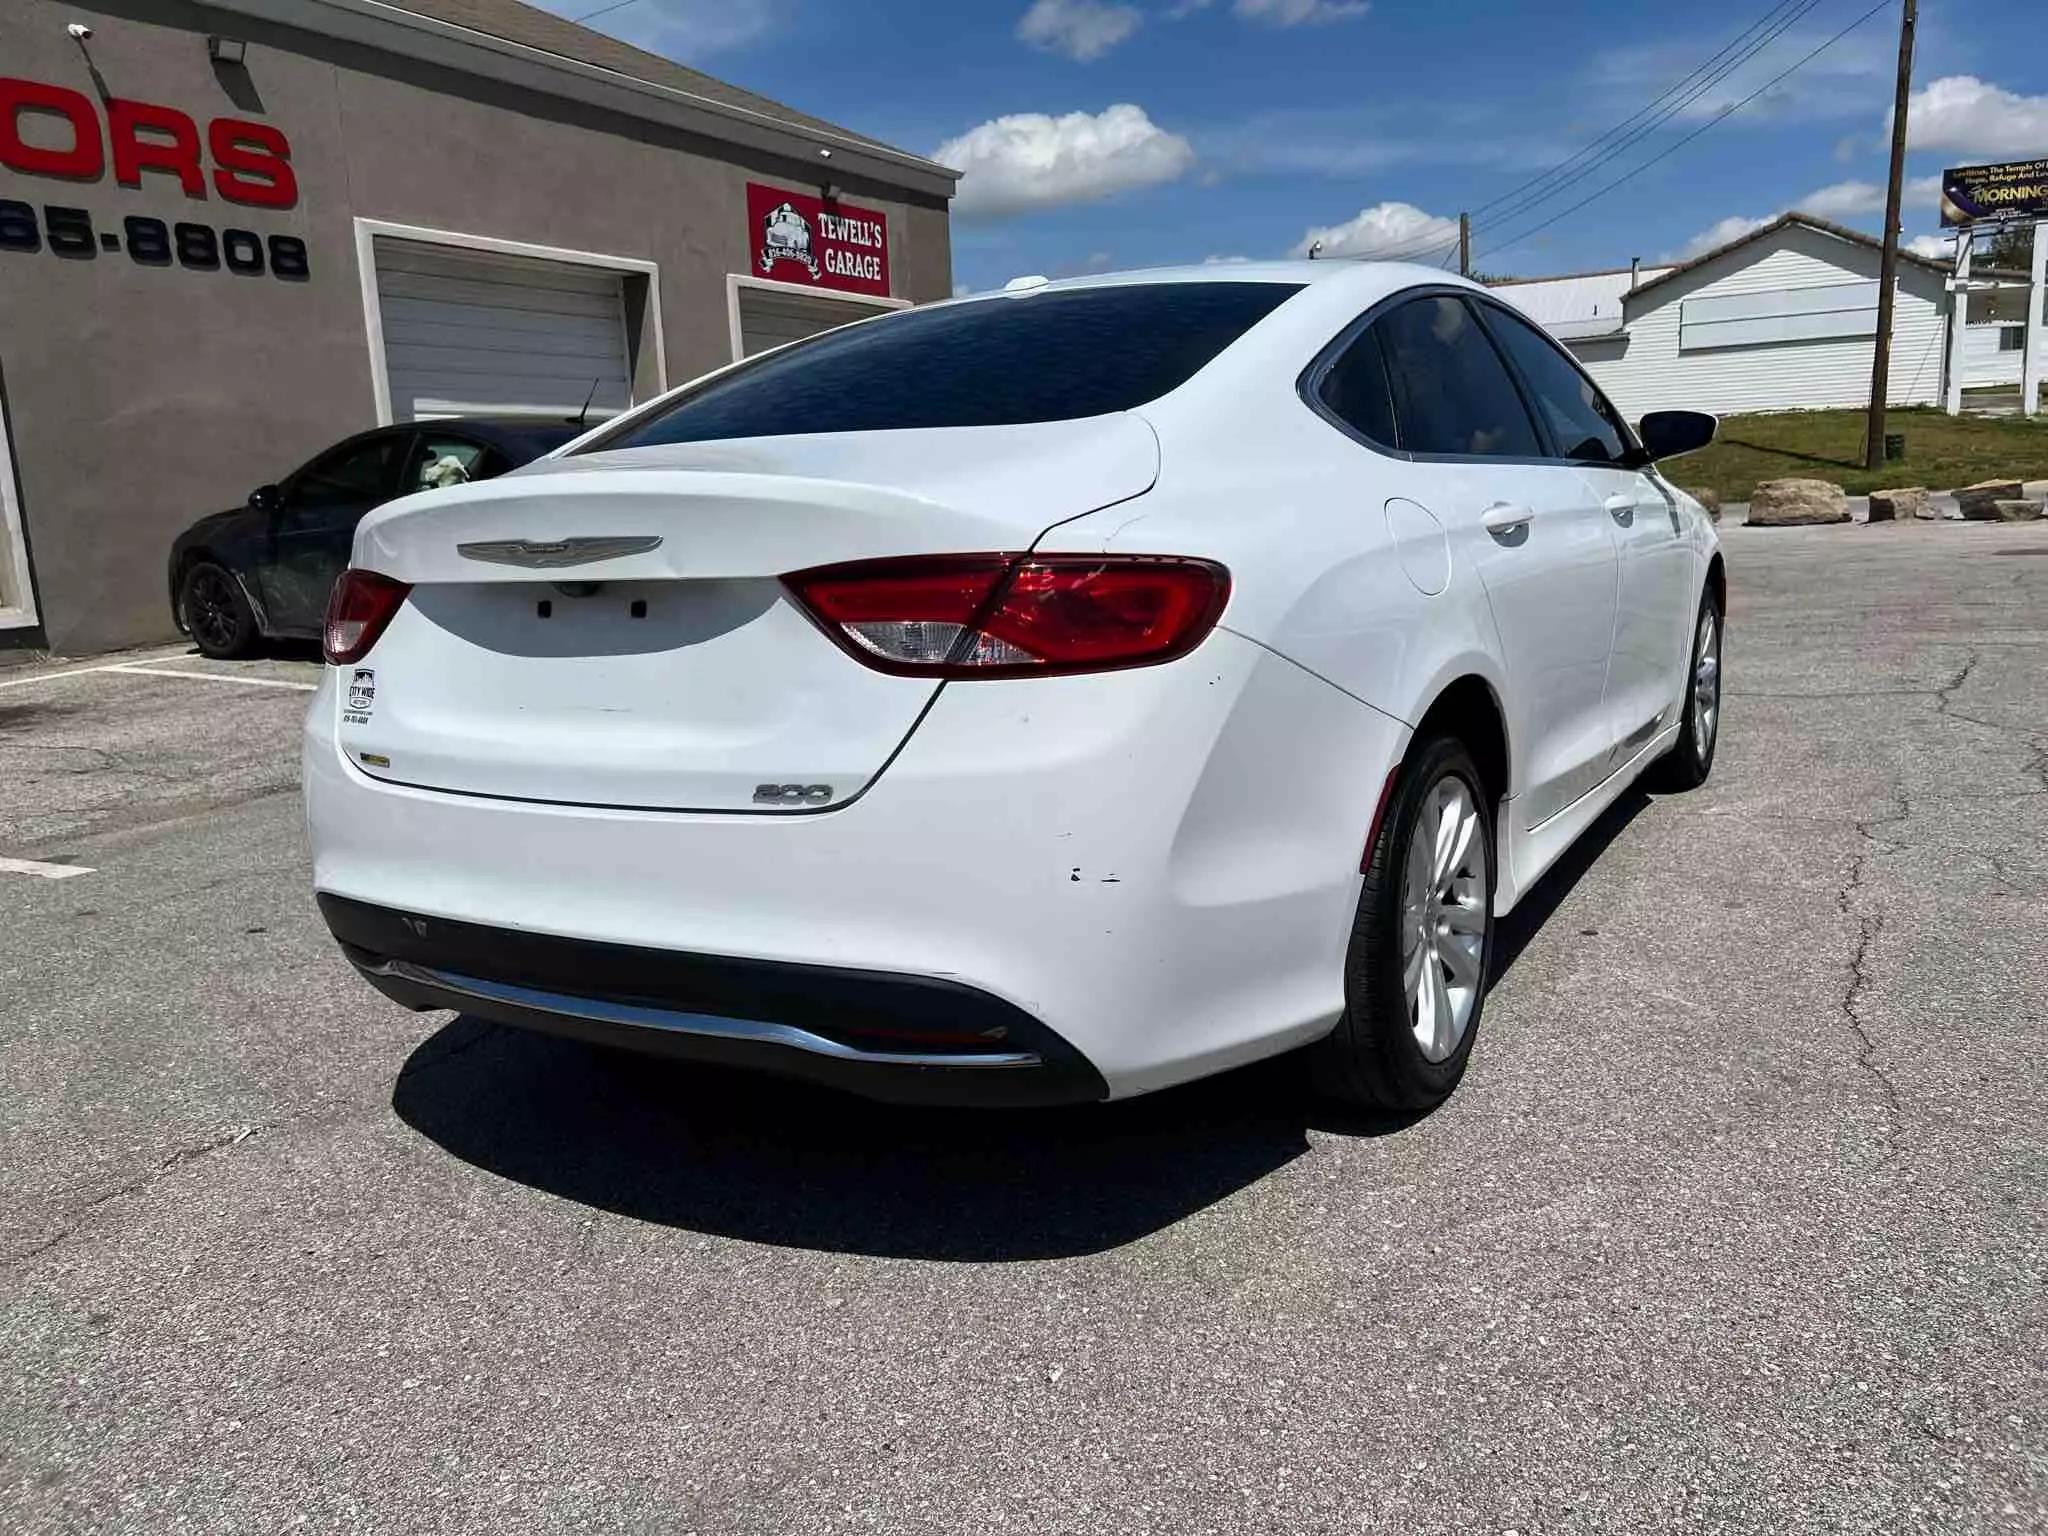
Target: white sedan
[{"x": 1034, "y": 698}]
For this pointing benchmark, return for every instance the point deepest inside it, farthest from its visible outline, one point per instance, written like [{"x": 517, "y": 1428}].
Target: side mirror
[
  {"x": 1667, "y": 434},
  {"x": 266, "y": 498}
]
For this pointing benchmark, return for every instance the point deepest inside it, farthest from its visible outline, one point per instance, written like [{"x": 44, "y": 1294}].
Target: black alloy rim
[{"x": 210, "y": 609}]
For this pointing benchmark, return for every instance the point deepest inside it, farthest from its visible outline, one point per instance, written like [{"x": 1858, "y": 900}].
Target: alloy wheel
[
  {"x": 210, "y": 608},
  {"x": 1706, "y": 685},
  {"x": 1444, "y": 917}
]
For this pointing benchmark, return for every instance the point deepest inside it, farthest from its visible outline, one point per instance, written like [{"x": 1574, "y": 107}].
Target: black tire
[
  {"x": 1688, "y": 763},
  {"x": 214, "y": 611},
  {"x": 1373, "y": 1058}
]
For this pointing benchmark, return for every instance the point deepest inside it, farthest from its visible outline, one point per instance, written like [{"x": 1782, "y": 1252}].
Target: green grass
[{"x": 1942, "y": 452}]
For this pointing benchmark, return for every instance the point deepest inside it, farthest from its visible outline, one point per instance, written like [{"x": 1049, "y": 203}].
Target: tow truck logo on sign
[{"x": 786, "y": 236}]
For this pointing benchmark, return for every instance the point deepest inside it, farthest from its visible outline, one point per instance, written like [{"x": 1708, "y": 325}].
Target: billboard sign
[
  {"x": 798, "y": 238},
  {"x": 1972, "y": 194}
]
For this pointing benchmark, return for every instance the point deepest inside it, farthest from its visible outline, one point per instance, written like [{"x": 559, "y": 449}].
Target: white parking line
[
  {"x": 105, "y": 666},
  {"x": 138, "y": 669},
  {"x": 47, "y": 871}
]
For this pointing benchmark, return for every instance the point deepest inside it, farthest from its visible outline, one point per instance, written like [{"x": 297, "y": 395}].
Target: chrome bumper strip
[{"x": 706, "y": 1025}]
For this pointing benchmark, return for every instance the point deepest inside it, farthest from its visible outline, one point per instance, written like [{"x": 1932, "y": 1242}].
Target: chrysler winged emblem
[{"x": 551, "y": 554}]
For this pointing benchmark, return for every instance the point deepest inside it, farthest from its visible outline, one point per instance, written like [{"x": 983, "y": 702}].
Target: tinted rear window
[{"x": 1040, "y": 357}]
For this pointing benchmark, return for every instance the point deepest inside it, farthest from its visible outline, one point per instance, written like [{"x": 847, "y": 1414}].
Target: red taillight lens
[
  {"x": 1015, "y": 616},
  {"x": 361, "y": 605}
]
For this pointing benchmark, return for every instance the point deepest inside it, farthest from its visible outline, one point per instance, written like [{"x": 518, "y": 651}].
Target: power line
[
  {"x": 602, "y": 10},
  {"x": 1746, "y": 45},
  {"x": 1775, "y": 30},
  {"x": 1722, "y": 116}
]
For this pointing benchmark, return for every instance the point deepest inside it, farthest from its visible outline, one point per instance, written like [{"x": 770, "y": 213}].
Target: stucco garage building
[{"x": 232, "y": 233}]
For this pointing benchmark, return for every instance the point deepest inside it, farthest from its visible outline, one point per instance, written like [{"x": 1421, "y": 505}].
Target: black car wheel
[
  {"x": 214, "y": 612},
  {"x": 1415, "y": 975},
  {"x": 1691, "y": 759}
]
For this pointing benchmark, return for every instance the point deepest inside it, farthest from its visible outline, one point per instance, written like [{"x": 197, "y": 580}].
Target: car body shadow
[
  {"x": 779, "y": 1162},
  {"x": 770, "y": 1161},
  {"x": 1511, "y": 935}
]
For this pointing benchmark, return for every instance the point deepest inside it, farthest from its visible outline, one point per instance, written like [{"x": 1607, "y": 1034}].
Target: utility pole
[
  {"x": 1464, "y": 245},
  {"x": 1888, "y": 269}
]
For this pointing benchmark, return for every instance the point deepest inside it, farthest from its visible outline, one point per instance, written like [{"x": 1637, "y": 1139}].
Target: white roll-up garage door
[
  {"x": 770, "y": 317},
  {"x": 471, "y": 333}
]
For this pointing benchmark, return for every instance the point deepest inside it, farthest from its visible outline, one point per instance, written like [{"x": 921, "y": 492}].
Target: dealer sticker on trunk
[{"x": 362, "y": 694}]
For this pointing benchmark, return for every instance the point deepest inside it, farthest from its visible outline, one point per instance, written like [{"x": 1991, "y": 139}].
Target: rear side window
[
  {"x": 1582, "y": 423},
  {"x": 1355, "y": 390},
  {"x": 1046, "y": 356},
  {"x": 1452, "y": 393}
]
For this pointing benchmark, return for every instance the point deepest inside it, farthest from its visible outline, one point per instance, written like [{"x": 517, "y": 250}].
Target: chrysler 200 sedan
[{"x": 1039, "y": 697}]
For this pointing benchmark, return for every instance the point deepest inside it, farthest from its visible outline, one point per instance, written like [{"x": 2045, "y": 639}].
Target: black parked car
[{"x": 264, "y": 569}]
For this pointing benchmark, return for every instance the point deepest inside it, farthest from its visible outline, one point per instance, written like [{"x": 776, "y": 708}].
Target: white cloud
[
  {"x": 1843, "y": 199},
  {"x": 1840, "y": 201},
  {"x": 1835, "y": 83},
  {"x": 1923, "y": 189},
  {"x": 1080, "y": 29},
  {"x": 1382, "y": 229},
  {"x": 1961, "y": 112},
  {"x": 962, "y": 290},
  {"x": 1734, "y": 227},
  {"x": 1295, "y": 13},
  {"x": 1029, "y": 160},
  {"x": 1933, "y": 247},
  {"x": 1847, "y": 199},
  {"x": 1224, "y": 261}
]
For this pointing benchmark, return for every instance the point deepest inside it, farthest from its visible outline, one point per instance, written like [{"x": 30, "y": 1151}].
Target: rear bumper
[
  {"x": 900, "y": 1039},
  {"x": 1157, "y": 868}
]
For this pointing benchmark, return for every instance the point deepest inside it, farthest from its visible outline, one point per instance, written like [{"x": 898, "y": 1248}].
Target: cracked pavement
[{"x": 1737, "y": 1224}]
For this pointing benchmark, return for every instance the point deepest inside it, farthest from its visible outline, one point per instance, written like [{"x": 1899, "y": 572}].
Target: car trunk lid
[{"x": 611, "y": 629}]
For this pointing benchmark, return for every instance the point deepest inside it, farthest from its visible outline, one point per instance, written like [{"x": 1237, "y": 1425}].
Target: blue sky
[{"x": 1122, "y": 133}]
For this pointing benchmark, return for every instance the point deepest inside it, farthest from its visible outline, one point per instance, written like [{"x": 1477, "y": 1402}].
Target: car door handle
[
  {"x": 1622, "y": 509},
  {"x": 1505, "y": 517}
]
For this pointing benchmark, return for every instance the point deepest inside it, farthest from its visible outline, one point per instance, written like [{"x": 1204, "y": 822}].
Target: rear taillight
[
  {"x": 361, "y": 605},
  {"x": 998, "y": 615}
]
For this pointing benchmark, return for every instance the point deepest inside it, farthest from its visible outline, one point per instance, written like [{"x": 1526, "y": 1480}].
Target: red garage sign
[{"x": 797, "y": 238}]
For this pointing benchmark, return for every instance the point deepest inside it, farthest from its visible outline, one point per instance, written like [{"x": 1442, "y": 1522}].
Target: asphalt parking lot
[{"x": 1738, "y": 1223}]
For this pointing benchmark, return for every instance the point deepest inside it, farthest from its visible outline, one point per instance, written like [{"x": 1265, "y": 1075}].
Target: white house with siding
[{"x": 1783, "y": 319}]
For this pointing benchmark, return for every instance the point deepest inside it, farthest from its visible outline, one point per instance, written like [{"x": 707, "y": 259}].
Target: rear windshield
[
  {"x": 529, "y": 440},
  {"x": 1040, "y": 357}
]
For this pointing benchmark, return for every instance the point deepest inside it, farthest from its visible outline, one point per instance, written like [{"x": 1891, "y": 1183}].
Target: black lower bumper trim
[{"x": 898, "y": 1038}]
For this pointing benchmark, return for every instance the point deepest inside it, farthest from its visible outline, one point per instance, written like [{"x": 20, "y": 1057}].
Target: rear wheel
[
  {"x": 215, "y": 613},
  {"x": 1415, "y": 973},
  {"x": 1691, "y": 758}
]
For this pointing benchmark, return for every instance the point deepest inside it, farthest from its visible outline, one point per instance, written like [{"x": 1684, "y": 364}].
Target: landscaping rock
[
  {"x": 1976, "y": 500},
  {"x": 1899, "y": 505},
  {"x": 2014, "y": 510},
  {"x": 1785, "y": 503},
  {"x": 1707, "y": 497}
]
